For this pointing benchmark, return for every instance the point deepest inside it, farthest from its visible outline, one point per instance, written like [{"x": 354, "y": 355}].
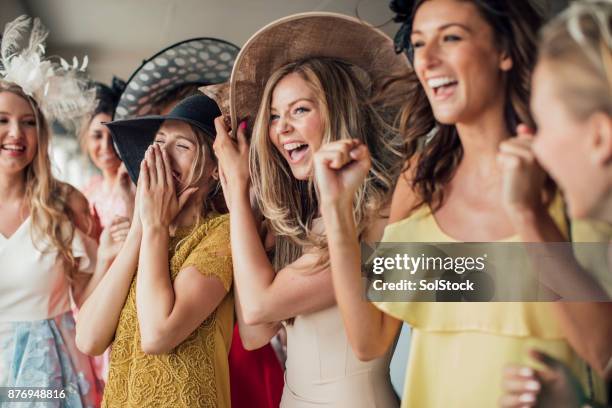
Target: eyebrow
[
  {"x": 296, "y": 101},
  {"x": 24, "y": 116},
  {"x": 445, "y": 26},
  {"x": 161, "y": 133}
]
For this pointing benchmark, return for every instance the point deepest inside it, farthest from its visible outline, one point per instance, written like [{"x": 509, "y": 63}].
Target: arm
[
  {"x": 560, "y": 271},
  {"x": 99, "y": 314},
  {"x": 339, "y": 169},
  {"x": 254, "y": 337},
  {"x": 265, "y": 296},
  {"x": 169, "y": 312}
]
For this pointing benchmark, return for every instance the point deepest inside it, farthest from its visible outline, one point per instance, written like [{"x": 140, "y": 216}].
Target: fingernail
[
  {"x": 243, "y": 125},
  {"x": 527, "y": 398},
  {"x": 532, "y": 385},
  {"x": 526, "y": 372}
]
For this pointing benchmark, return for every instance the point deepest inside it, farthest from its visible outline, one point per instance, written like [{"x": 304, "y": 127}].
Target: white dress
[
  {"x": 323, "y": 371},
  {"x": 37, "y": 331}
]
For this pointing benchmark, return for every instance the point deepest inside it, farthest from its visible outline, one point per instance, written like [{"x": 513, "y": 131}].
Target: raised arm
[{"x": 340, "y": 167}]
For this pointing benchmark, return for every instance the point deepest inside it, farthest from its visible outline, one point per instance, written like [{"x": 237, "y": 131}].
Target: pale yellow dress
[
  {"x": 196, "y": 372},
  {"x": 458, "y": 350}
]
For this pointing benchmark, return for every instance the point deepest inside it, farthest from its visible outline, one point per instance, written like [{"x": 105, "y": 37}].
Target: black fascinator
[
  {"x": 107, "y": 97},
  {"x": 403, "y": 10}
]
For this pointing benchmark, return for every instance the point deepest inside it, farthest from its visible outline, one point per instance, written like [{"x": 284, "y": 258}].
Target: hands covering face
[{"x": 157, "y": 200}]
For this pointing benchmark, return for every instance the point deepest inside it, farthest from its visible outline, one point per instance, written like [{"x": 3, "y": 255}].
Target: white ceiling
[{"x": 118, "y": 34}]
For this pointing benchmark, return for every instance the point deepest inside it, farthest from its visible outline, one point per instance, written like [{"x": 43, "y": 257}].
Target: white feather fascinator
[{"x": 61, "y": 90}]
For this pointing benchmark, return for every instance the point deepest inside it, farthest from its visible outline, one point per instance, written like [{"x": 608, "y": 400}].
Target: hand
[
  {"x": 157, "y": 201},
  {"x": 233, "y": 160},
  {"x": 340, "y": 168},
  {"x": 523, "y": 178},
  {"x": 553, "y": 386},
  {"x": 124, "y": 189},
  {"x": 112, "y": 238}
]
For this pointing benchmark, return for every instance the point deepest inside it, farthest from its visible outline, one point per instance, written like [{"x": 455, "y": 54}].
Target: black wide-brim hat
[
  {"x": 198, "y": 61},
  {"x": 132, "y": 137}
]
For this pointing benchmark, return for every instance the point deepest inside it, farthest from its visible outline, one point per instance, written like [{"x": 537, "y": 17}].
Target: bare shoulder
[
  {"x": 405, "y": 198},
  {"x": 78, "y": 208}
]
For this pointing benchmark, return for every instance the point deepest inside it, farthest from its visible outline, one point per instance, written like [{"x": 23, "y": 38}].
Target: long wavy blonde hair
[
  {"x": 345, "y": 100},
  {"x": 51, "y": 226}
]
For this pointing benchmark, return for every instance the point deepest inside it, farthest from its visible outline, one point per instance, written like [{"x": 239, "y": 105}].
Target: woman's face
[
  {"x": 180, "y": 142},
  {"x": 296, "y": 128},
  {"x": 18, "y": 134},
  {"x": 99, "y": 144},
  {"x": 456, "y": 60},
  {"x": 567, "y": 147}
]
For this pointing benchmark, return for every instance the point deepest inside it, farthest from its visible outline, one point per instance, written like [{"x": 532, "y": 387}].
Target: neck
[
  {"x": 603, "y": 211},
  {"x": 109, "y": 177},
  {"x": 480, "y": 140},
  {"x": 191, "y": 211},
  {"x": 12, "y": 187}
]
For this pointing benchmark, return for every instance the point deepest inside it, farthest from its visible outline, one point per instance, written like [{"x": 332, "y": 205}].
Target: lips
[
  {"x": 442, "y": 87},
  {"x": 13, "y": 149},
  {"x": 296, "y": 151}
]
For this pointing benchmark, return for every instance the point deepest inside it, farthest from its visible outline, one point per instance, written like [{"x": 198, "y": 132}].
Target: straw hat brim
[{"x": 307, "y": 35}]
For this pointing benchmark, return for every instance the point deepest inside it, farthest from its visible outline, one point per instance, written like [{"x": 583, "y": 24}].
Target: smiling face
[
  {"x": 99, "y": 144},
  {"x": 182, "y": 145},
  {"x": 18, "y": 133},
  {"x": 574, "y": 151},
  {"x": 457, "y": 61},
  {"x": 296, "y": 127}
]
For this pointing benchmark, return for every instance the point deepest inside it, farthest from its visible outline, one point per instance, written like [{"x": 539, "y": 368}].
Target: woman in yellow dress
[
  {"x": 472, "y": 60},
  {"x": 165, "y": 304}
]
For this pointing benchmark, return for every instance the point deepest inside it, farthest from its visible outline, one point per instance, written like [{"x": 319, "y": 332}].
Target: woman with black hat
[{"x": 165, "y": 304}]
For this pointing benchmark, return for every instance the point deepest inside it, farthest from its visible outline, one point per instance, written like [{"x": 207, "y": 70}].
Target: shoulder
[{"x": 78, "y": 209}]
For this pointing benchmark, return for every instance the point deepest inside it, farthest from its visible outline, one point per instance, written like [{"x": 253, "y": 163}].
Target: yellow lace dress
[{"x": 195, "y": 373}]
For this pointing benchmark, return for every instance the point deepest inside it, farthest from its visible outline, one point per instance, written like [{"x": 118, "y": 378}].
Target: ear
[
  {"x": 600, "y": 138},
  {"x": 215, "y": 173},
  {"x": 505, "y": 61}
]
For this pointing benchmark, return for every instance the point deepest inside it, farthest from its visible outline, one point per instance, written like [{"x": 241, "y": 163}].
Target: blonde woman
[
  {"x": 165, "y": 304},
  {"x": 46, "y": 258},
  {"x": 305, "y": 105},
  {"x": 572, "y": 105}
]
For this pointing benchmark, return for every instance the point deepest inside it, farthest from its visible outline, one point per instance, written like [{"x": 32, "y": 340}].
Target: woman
[
  {"x": 109, "y": 194},
  {"x": 165, "y": 304},
  {"x": 472, "y": 60},
  {"x": 46, "y": 257},
  {"x": 308, "y": 101},
  {"x": 572, "y": 106}
]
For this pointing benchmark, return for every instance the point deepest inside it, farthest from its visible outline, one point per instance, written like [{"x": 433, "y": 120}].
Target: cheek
[{"x": 313, "y": 129}]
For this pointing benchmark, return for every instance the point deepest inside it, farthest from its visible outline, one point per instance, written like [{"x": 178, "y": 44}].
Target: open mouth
[
  {"x": 296, "y": 151},
  {"x": 442, "y": 87},
  {"x": 13, "y": 148}
]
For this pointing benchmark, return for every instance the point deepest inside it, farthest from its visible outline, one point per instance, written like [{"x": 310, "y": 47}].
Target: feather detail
[{"x": 13, "y": 33}]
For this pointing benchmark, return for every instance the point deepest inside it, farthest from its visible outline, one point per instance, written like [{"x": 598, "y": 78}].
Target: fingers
[
  {"x": 144, "y": 183},
  {"x": 520, "y": 387},
  {"x": 221, "y": 130},
  {"x": 159, "y": 169},
  {"x": 243, "y": 144},
  {"x": 524, "y": 132},
  {"x": 338, "y": 154},
  {"x": 150, "y": 159},
  {"x": 167, "y": 169}
]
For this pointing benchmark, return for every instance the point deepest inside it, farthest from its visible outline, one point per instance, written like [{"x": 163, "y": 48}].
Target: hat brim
[
  {"x": 307, "y": 35},
  {"x": 132, "y": 138},
  {"x": 197, "y": 61}
]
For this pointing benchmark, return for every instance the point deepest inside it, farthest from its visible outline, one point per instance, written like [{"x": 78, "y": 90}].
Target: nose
[
  {"x": 282, "y": 125},
  {"x": 107, "y": 144},
  {"x": 15, "y": 129},
  {"x": 427, "y": 56}
]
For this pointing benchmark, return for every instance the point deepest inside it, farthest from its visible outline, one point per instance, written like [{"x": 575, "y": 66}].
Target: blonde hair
[
  {"x": 50, "y": 212},
  {"x": 579, "y": 44},
  {"x": 345, "y": 103}
]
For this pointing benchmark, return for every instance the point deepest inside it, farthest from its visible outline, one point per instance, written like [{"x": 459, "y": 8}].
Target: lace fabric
[{"x": 195, "y": 373}]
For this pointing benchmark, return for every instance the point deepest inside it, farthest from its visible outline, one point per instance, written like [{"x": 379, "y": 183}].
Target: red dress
[{"x": 256, "y": 377}]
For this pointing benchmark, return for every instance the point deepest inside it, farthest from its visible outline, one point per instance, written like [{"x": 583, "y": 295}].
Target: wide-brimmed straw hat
[
  {"x": 132, "y": 137},
  {"x": 302, "y": 36},
  {"x": 198, "y": 61}
]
